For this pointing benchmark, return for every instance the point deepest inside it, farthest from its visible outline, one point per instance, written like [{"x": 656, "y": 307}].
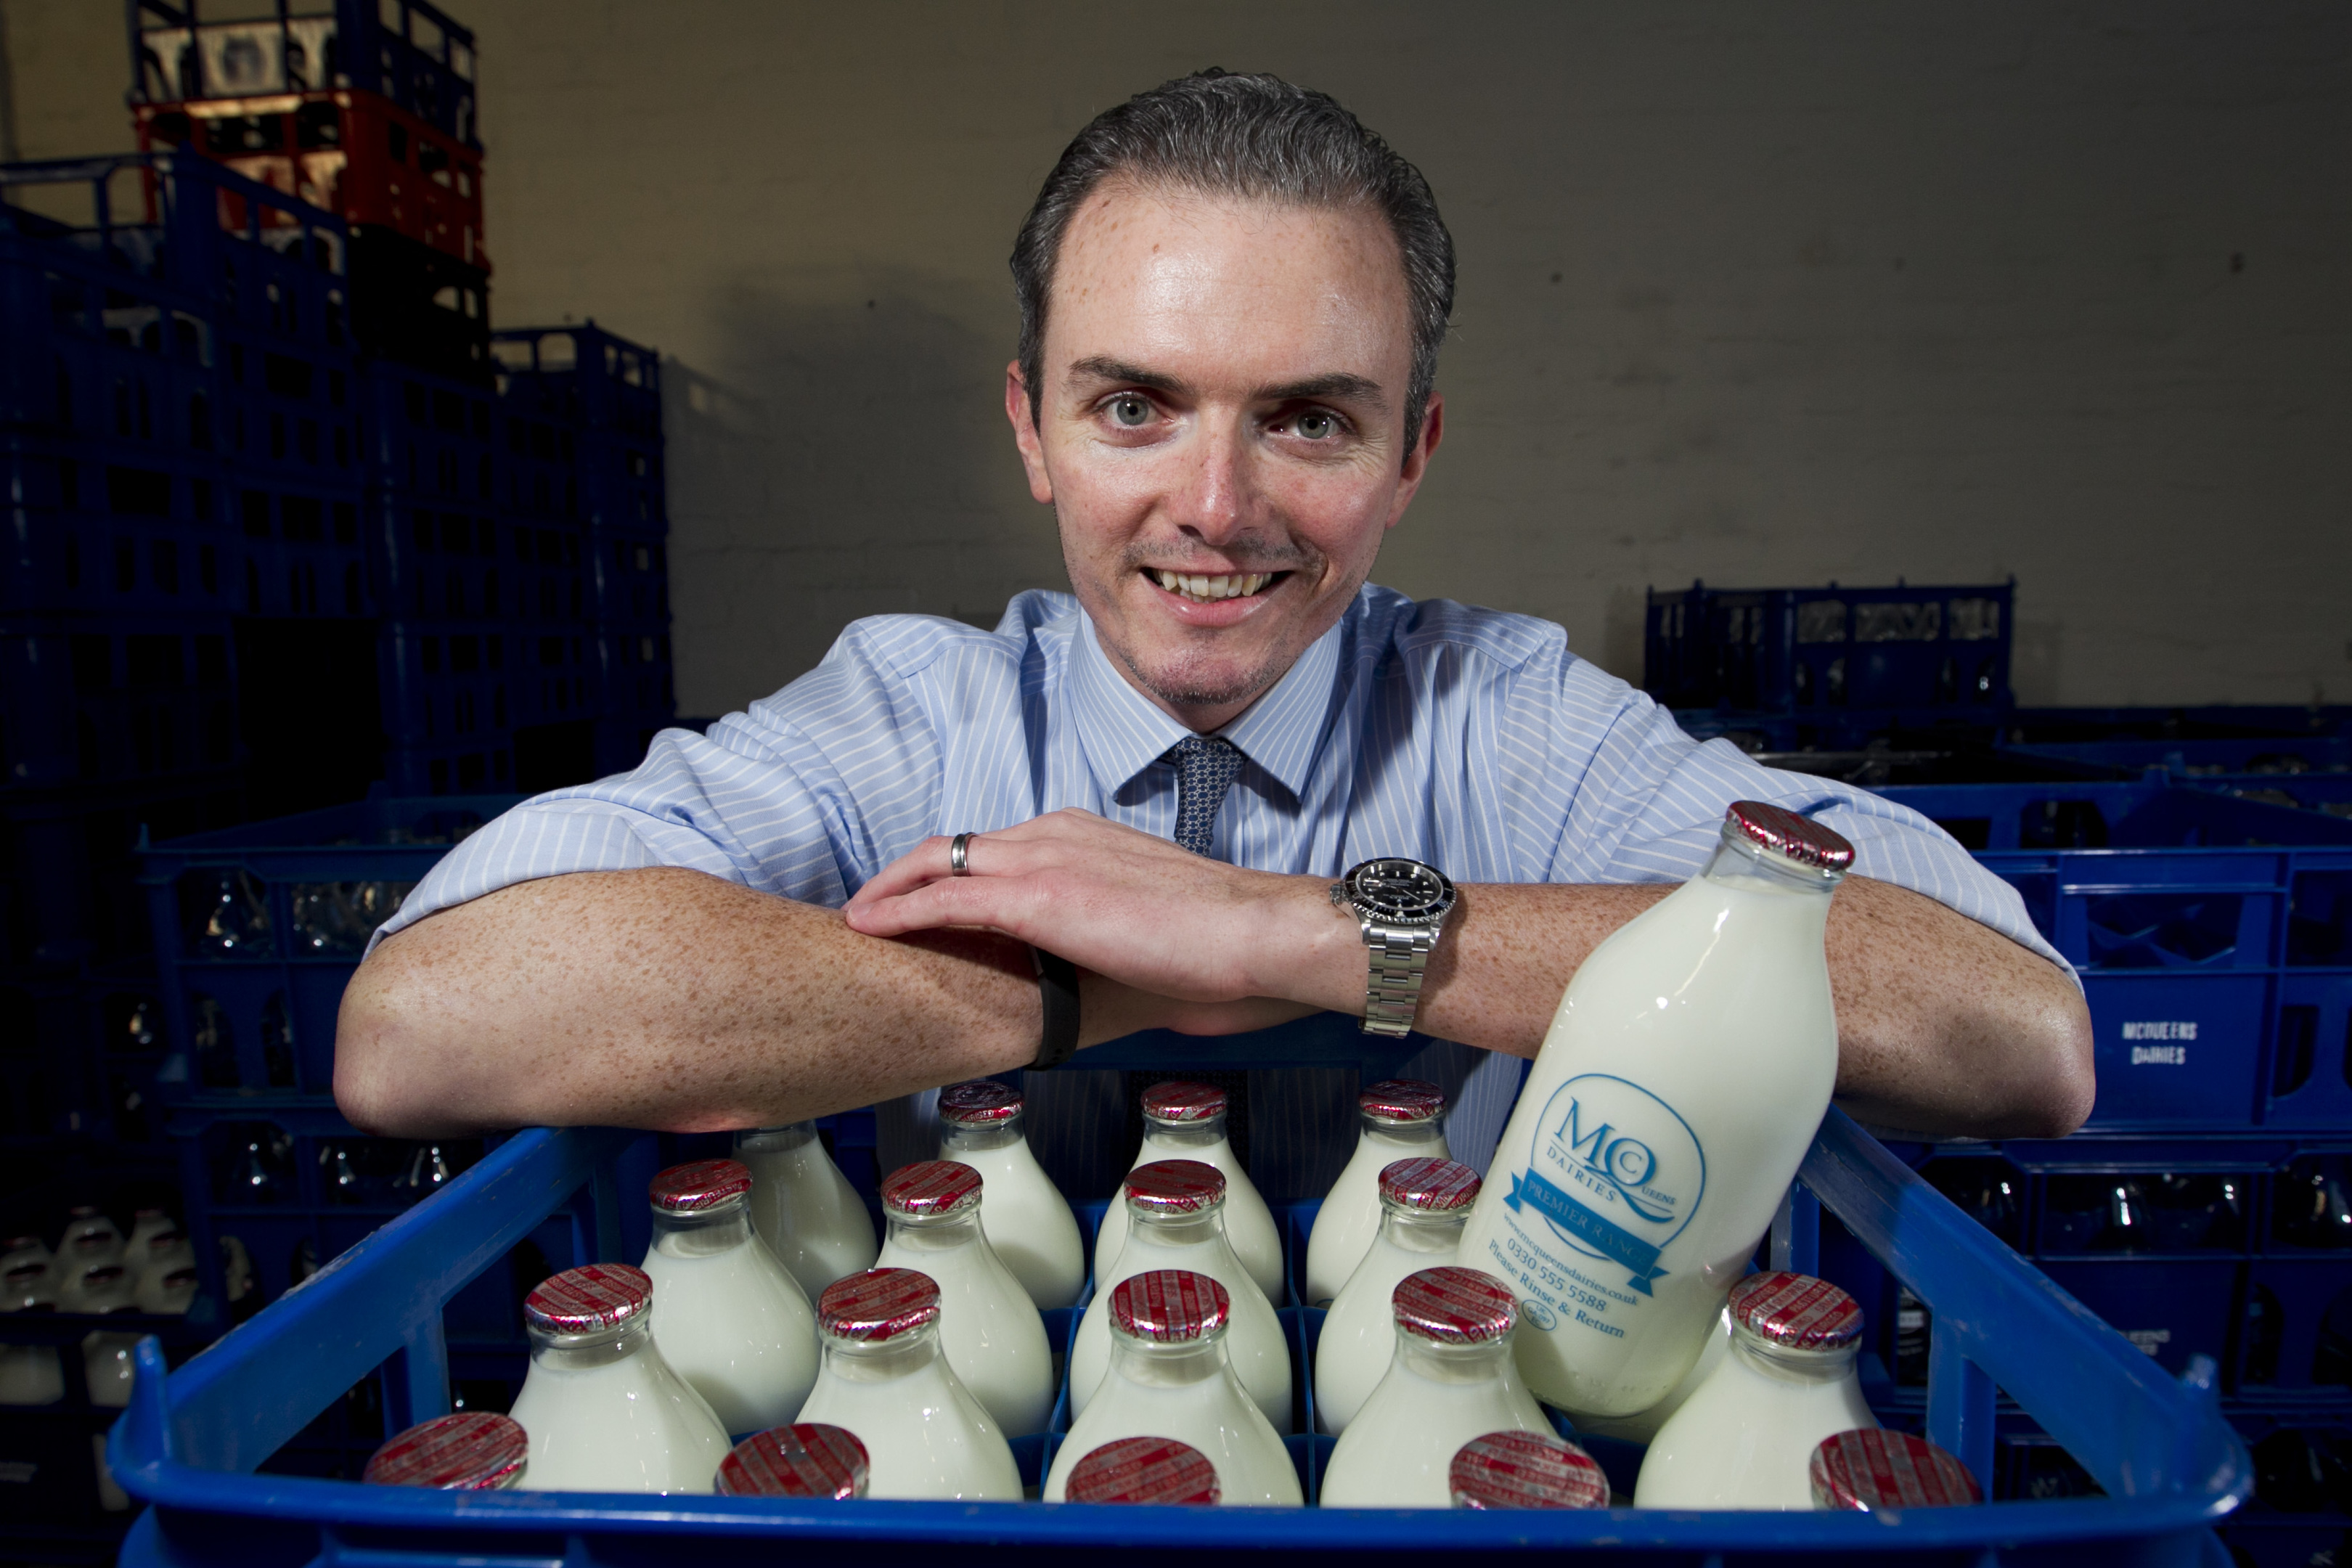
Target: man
[{"x": 1233, "y": 299}]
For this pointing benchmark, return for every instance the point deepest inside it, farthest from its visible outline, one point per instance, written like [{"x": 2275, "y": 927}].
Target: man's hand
[{"x": 1135, "y": 909}]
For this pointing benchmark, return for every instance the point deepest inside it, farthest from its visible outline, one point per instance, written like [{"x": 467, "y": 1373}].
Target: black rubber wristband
[{"x": 1057, "y": 987}]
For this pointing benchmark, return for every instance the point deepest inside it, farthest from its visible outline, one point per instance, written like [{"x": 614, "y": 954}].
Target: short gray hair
[{"x": 1259, "y": 138}]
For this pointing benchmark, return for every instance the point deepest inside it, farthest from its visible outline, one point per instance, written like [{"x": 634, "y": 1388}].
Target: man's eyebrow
[
  {"x": 1099, "y": 368},
  {"x": 1337, "y": 384}
]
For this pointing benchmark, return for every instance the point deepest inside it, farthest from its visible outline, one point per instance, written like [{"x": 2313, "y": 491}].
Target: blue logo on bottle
[{"x": 1617, "y": 1174}]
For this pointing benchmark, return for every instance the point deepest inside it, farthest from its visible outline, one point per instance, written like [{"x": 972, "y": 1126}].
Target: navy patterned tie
[{"x": 1206, "y": 767}]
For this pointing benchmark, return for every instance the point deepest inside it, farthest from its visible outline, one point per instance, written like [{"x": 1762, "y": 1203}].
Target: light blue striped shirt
[{"x": 1467, "y": 737}]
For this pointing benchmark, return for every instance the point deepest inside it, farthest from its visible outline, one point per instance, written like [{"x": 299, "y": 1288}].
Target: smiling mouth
[{"x": 1208, "y": 589}]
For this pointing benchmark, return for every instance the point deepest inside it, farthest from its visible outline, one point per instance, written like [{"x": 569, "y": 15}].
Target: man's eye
[
  {"x": 1316, "y": 425},
  {"x": 1130, "y": 412}
]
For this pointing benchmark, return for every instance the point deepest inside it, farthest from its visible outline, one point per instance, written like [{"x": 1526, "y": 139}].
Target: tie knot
[{"x": 1205, "y": 766}]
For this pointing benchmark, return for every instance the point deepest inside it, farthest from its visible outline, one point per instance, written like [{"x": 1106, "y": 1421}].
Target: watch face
[{"x": 1404, "y": 890}]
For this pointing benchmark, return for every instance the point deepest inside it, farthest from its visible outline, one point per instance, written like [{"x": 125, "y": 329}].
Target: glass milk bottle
[
  {"x": 1449, "y": 1381},
  {"x": 1872, "y": 1468},
  {"x": 1396, "y": 1119},
  {"x": 467, "y": 1451},
  {"x": 989, "y": 1327},
  {"x": 729, "y": 1319},
  {"x": 885, "y": 1380},
  {"x": 1170, "y": 1376},
  {"x": 808, "y": 1462},
  {"x": 29, "y": 1375},
  {"x": 1187, "y": 1121},
  {"x": 803, "y": 1207},
  {"x": 1027, "y": 1219},
  {"x": 1684, "y": 1074},
  {"x": 1176, "y": 1214},
  {"x": 1423, "y": 1206},
  {"x": 1144, "y": 1470},
  {"x": 603, "y": 1410},
  {"x": 90, "y": 1237},
  {"x": 1643, "y": 1425},
  {"x": 1744, "y": 1438},
  {"x": 1525, "y": 1470}
]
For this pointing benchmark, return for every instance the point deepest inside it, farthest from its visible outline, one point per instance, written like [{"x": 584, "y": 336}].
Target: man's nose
[{"x": 1216, "y": 502}]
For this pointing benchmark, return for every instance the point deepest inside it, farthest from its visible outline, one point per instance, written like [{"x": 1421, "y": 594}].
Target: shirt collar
[{"x": 1125, "y": 731}]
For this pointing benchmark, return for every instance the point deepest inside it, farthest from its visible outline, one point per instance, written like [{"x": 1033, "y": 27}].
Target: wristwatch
[{"x": 1402, "y": 905}]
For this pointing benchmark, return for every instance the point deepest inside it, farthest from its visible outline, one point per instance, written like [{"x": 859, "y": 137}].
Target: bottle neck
[
  {"x": 942, "y": 1234},
  {"x": 586, "y": 1353},
  {"x": 1177, "y": 1229},
  {"x": 1794, "y": 1367},
  {"x": 1169, "y": 1137},
  {"x": 885, "y": 1361},
  {"x": 703, "y": 1235},
  {"x": 1452, "y": 1363},
  {"x": 1154, "y": 1365},
  {"x": 1739, "y": 860},
  {"x": 1417, "y": 1230},
  {"x": 1405, "y": 1135},
  {"x": 776, "y": 1139},
  {"x": 981, "y": 1138}
]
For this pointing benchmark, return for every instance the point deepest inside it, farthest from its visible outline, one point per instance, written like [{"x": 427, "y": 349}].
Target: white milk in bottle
[
  {"x": 1450, "y": 1381},
  {"x": 808, "y": 1462},
  {"x": 1744, "y": 1439},
  {"x": 1525, "y": 1470},
  {"x": 803, "y": 1207},
  {"x": 603, "y": 1411},
  {"x": 729, "y": 1317},
  {"x": 1871, "y": 1468},
  {"x": 1642, "y": 1425},
  {"x": 1027, "y": 1219},
  {"x": 1144, "y": 1470},
  {"x": 1396, "y": 1119},
  {"x": 1684, "y": 1077},
  {"x": 989, "y": 1327},
  {"x": 1169, "y": 1377},
  {"x": 1184, "y": 1120},
  {"x": 1423, "y": 1206},
  {"x": 1176, "y": 1214},
  {"x": 885, "y": 1380},
  {"x": 466, "y": 1451},
  {"x": 29, "y": 1375}
]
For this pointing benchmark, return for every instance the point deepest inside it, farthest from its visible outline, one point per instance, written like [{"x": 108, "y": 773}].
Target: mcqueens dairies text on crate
[
  {"x": 2213, "y": 934},
  {"x": 2160, "y": 1447}
]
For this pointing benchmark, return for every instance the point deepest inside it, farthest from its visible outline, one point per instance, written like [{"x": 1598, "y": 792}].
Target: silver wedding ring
[{"x": 959, "y": 855}]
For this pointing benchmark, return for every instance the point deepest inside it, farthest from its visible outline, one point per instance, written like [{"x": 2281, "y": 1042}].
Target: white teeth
[{"x": 1225, "y": 586}]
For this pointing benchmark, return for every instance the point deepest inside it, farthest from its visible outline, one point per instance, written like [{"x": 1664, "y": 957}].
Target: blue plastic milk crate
[
  {"x": 2213, "y": 934},
  {"x": 190, "y": 1445}
]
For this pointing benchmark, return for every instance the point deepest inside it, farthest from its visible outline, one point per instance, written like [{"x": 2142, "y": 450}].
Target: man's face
[{"x": 1223, "y": 432}]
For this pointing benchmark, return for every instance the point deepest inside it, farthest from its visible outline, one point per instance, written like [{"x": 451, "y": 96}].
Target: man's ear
[
  {"x": 1024, "y": 434},
  {"x": 1416, "y": 462}
]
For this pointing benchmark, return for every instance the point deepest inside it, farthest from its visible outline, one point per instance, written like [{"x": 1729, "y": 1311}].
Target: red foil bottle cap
[
  {"x": 1182, "y": 1101},
  {"x": 1784, "y": 833},
  {"x": 1175, "y": 1186},
  {"x": 589, "y": 1300},
  {"x": 1796, "y": 1312},
  {"x": 982, "y": 1102},
  {"x": 878, "y": 1305},
  {"x": 930, "y": 1189},
  {"x": 1404, "y": 1100},
  {"x": 1453, "y": 1306},
  {"x": 470, "y": 1451},
  {"x": 1429, "y": 1186},
  {"x": 699, "y": 1186},
  {"x": 1870, "y": 1470},
  {"x": 1169, "y": 1306},
  {"x": 1144, "y": 1469},
  {"x": 1525, "y": 1470},
  {"x": 808, "y": 1460}
]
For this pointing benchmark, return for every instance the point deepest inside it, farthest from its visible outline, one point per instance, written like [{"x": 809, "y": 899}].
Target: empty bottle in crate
[
  {"x": 603, "y": 1410},
  {"x": 1186, "y": 1120},
  {"x": 1396, "y": 1119},
  {"x": 1175, "y": 1212},
  {"x": 730, "y": 1319},
  {"x": 989, "y": 1327},
  {"x": 1145, "y": 1471},
  {"x": 1744, "y": 1438},
  {"x": 1525, "y": 1470},
  {"x": 1170, "y": 1375},
  {"x": 1027, "y": 1220},
  {"x": 1449, "y": 1381},
  {"x": 885, "y": 1379},
  {"x": 808, "y": 1462},
  {"x": 1424, "y": 1203},
  {"x": 1690, "y": 1063},
  {"x": 803, "y": 1207}
]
